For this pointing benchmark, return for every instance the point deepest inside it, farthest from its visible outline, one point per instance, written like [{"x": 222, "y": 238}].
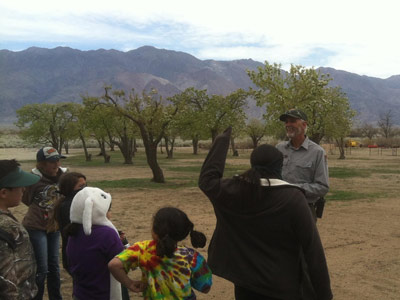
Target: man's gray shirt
[{"x": 306, "y": 167}]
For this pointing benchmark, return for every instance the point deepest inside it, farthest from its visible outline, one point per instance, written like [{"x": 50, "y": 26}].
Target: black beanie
[{"x": 267, "y": 159}]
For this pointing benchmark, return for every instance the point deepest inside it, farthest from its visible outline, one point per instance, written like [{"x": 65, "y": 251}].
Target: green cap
[
  {"x": 294, "y": 113},
  {"x": 18, "y": 178}
]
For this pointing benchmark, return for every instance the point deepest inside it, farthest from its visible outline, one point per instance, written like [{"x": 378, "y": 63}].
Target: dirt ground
[{"x": 361, "y": 237}]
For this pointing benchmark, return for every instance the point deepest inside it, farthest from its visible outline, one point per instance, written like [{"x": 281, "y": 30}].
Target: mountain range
[{"x": 62, "y": 74}]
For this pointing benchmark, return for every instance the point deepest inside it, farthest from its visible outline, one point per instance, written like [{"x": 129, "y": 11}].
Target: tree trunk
[
  {"x": 61, "y": 145},
  {"x": 126, "y": 147},
  {"x": 341, "y": 145},
  {"x": 134, "y": 146},
  {"x": 151, "y": 155},
  {"x": 66, "y": 147},
  {"x": 214, "y": 134},
  {"x": 255, "y": 141},
  {"x": 316, "y": 138},
  {"x": 161, "y": 148},
  {"x": 54, "y": 140},
  {"x": 234, "y": 151},
  {"x": 150, "y": 147},
  {"x": 102, "y": 145},
  {"x": 169, "y": 150},
  {"x": 111, "y": 141},
  {"x": 195, "y": 143},
  {"x": 87, "y": 155}
]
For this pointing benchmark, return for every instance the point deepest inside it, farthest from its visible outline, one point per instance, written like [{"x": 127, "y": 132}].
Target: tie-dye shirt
[{"x": 168, "y": 278}]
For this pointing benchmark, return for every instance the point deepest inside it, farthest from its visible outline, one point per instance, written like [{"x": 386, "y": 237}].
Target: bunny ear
[{"x": 87, "y": 216}]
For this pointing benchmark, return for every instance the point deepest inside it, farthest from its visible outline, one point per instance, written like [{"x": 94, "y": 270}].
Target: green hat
[
  {"x": 18, "y": 178},
  {"x": 294, "y": 113}
]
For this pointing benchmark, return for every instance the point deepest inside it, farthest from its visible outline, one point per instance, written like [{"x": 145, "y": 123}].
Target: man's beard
[{"x": 293, "y": 132}]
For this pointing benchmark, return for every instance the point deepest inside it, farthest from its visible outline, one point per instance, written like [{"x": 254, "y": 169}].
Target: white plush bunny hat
[{"x": 89, "y": 207}]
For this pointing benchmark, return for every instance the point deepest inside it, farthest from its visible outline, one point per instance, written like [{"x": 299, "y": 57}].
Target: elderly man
[{"x": 304, "y": 162}]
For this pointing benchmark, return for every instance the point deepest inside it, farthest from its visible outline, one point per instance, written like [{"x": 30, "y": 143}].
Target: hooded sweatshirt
[{"x": 41, "y": 199}]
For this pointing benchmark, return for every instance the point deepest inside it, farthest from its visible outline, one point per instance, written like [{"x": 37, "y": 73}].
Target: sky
[{"x": 357, "y": 36}]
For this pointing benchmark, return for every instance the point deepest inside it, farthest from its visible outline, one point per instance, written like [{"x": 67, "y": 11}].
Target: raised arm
[{"x": 214, "y": 164}]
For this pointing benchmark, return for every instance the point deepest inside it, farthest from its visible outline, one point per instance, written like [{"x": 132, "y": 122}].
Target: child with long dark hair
[
  {"x": 169, "y": 271},
  {"x": 69, "y": 185}
]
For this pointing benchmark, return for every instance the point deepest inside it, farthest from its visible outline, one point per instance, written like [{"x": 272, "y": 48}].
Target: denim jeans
[{"x": 46, "y": 247}]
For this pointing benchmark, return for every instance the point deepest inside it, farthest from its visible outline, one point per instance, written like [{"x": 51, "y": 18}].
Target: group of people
[{"x": 266, "y": 241}]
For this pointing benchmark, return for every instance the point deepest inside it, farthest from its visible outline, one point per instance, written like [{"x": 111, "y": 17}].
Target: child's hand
[
  {"x": 137, "y": 286},
  {"x": 123, "y": 238}
]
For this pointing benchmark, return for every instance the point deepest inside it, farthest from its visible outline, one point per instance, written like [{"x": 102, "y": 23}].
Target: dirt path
[{"x": 361, "y": 238}]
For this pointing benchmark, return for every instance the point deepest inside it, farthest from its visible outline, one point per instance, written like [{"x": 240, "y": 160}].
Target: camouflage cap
[{"x": 294, "y": 113}]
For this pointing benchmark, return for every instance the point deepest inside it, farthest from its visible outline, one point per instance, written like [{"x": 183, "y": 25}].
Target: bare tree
[
  {"x": 385, "y": 123},
  {"x": 369, "y": 131}
]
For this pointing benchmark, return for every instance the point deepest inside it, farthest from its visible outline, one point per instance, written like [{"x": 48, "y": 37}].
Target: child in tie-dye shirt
[{"x": 168, "y": 270}]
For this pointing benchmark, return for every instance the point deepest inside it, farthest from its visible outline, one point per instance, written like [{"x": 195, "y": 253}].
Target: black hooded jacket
[{"x": 260, "y": 232}]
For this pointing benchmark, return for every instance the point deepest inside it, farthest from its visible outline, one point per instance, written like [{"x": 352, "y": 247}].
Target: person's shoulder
[
  {"x": 104, "y": 230},
  {"x": 10, "y": 226},
  {"x": 7, "y": 220},
  {"x": 314, "y": 146},
  {"x": 185, "y": 250},
  {"x": 290, "y": 192},
  {"x": 281, "y": 145},
  {"x": 189, "y": 254},
  {"x": 291, "y": 188},
  {"x": 143, "y": 246}
]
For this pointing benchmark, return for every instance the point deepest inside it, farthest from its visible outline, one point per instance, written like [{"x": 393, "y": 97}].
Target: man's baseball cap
[
  {"x": 294, "y": 113},
  {"x": 48, "y": 153},
  {"x": 18, "y": 178}
]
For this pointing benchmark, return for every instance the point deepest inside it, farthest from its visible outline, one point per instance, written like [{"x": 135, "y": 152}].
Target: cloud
[{"x": 355, "y": 36}]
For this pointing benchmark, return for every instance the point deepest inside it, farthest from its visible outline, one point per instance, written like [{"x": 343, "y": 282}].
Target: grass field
[{"x": 360, "y": 229}]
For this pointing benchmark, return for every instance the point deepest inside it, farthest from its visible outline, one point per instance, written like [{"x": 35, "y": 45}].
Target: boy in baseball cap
[
  {"x": 17, "y": 266},
  {"x": 49, "y": 154}
]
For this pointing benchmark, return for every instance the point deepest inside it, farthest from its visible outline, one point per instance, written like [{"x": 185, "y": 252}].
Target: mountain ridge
[{"x": 63, "y": 74}]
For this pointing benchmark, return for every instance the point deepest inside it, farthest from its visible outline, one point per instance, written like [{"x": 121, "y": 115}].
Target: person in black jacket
[{"x": 263, "y": 225}]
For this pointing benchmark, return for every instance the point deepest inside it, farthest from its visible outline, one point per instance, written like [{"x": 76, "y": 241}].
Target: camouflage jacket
[
  {"x": 41, "y": 199},
  {"x": 17, "y": 261}
]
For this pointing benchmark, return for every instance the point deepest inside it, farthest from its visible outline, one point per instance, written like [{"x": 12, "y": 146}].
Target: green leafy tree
[
  {"x": 191, "y": 119},
  {"x": 301, "y": 88},
  {"x": 256, "y": 130},
  {"x": 223, "y": 111},
  {"x": 81, "y": 128},
  {"x": 237, "y": 131},
  {"x": 111, "y": 125},
  {"x": 170, "y": 135},
  {"x": 151, "y": 114},
  {"x": 100, "y": 121},
  {"x": 338, "y": 117},
  {"x": 46, "y": 123}
]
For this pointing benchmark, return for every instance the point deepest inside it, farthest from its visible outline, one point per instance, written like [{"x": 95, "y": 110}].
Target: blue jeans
[{"x": 46, "y": 247}]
